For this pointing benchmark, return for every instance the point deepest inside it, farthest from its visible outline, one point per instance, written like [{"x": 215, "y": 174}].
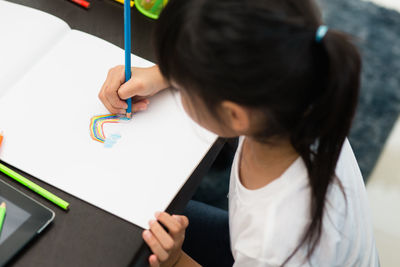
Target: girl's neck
[{"x": 261, "y": 163}]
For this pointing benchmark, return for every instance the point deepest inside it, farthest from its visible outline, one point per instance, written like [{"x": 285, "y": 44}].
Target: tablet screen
[
  {"x": 25, "y": 218},
  {"x": 15, "y": 217}
]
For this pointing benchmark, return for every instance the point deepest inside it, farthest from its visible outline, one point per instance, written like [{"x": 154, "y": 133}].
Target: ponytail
[{"x": 322, "y": 131}]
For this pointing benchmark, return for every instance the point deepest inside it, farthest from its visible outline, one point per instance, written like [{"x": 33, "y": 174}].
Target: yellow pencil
[{"x": 122, "y": 2}]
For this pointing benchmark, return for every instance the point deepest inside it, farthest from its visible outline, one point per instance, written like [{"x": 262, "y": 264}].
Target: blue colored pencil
[{"x": 127, "y": 27}]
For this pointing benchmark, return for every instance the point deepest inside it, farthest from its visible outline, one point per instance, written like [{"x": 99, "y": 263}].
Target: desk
[{"x": 86, "y": 235}]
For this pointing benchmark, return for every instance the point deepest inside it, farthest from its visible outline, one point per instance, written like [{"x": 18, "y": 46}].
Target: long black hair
[{"x": 264, "y": 55}]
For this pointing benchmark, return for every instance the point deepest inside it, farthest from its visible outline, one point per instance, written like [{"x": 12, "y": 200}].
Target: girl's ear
[{"x": 236, "y": 116}]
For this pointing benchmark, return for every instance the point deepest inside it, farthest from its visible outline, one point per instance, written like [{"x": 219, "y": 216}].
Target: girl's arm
[
  {"x": 186, "y": 261},
  {"x": 145, "y": 82}
]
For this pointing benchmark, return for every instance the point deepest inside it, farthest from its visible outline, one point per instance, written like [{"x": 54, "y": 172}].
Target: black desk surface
[{"x": 86, "y": 235}]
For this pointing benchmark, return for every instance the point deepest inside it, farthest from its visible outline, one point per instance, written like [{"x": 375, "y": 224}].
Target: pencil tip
[
  {"x": 129, "y": 115},
  {"x": 3, "y": 205}
]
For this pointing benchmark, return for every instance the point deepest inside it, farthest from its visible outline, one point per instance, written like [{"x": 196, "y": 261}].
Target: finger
[
  {"x": 113, "y": 98},
  {"x": 117, "y": 73},
  {"x": 155, "y": 245},
  {"x": 140, "y": 98},
  {"x": 110, "y": 107},
  {"x": 158, "y": 231},
  {"x": 130, "y": 89},
  {"x": 154, "y": 261},
  {"x": 114, "y": 110},
  {"x": 101, "y": 94},
  {"x": 115, "y": 78},
  {"x": 183, "y": 220},
  {"x": 140, "y": 105},
  {"x": 173, "y": 226}
]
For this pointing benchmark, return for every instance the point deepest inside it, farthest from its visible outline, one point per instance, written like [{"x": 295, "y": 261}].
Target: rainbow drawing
[{"x": 97, "y": 131}]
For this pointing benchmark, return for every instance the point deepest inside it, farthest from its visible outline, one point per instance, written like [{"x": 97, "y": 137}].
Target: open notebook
[{"x": 50, "y": 76}]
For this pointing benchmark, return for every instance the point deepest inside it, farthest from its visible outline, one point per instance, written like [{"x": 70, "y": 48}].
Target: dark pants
[{"x": 207, "y": 236}]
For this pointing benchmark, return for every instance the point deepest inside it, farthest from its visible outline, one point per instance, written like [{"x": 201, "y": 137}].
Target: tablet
[{"x": 25, "y": 218}]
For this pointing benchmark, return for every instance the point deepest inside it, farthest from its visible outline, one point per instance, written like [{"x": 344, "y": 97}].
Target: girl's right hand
[{"x": 144, "y": 83}]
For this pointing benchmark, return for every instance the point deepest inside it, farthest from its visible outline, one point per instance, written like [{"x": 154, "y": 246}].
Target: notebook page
[
  {"x": 26, "y": 34},
  {"x": 49, "y": 138}
]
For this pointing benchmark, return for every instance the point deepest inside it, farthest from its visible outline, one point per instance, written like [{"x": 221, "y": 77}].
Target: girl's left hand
[{"x": 166, "y": 246}]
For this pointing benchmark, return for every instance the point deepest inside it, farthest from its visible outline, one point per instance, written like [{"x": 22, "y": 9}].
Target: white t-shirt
[{"x": 266, "y": 224}]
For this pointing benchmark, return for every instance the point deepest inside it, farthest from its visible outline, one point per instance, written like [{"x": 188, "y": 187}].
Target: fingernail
[
  {"x": 146, "y": 234},
  {"x": 176, "y": 217},
  {"x": 157, "y": 214},
  {"x": 151, "y": 222}
]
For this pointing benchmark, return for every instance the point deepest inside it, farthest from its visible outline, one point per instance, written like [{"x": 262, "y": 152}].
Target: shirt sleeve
[{"x": 242, "y": 260}]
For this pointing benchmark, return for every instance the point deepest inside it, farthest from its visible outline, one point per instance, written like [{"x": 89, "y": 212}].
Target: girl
[{"x": 265, "y": 71}]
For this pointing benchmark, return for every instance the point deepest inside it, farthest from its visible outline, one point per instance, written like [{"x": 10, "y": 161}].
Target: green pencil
[
  {"x": 2, "y": 214},
  {"x": 34, "y": 187}
]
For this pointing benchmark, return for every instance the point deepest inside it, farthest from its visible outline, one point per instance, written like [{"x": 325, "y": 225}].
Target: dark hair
[{"x": 263, "y": 54}]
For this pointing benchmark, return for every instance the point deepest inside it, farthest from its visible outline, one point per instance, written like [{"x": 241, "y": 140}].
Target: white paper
[
  {"x": 26, "y": 34},
  {"x": 46, "y": 118}
]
